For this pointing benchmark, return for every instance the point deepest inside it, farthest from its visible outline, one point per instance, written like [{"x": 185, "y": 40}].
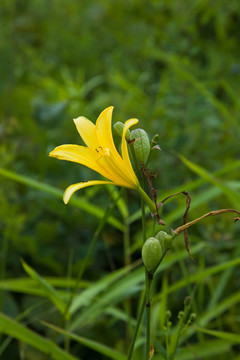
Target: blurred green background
[{"x": 175, "y": 65}]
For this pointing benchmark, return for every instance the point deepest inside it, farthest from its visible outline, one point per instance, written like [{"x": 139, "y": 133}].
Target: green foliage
[{"x": 175, "y": 66}]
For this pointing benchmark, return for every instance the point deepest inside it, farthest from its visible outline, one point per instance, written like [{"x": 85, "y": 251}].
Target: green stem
[
  {"x": 148, "y": 313},
  {"x": 147, "y": 200},
  {"x": 181, "y": 325},
  {"x": 144, "y": 234},
  {"x": 127, "y": 262},
  {"x": 137, "y": 328},
  {"x": 146, "y": 301},
  {"x": 147, "y": 283}
]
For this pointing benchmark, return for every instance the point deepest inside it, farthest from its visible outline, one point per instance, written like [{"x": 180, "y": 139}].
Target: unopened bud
[
  {"x": 180, "y": 315},
  {"x": 118, "y": 129},
  {"x": 141, "y": 144},
  {"x": 164, "y": 239},
  {"x": 187, "y": 301},
  {"x": 192, "y": 317},
  {"x": 155, "y": 139},
  {"x": 154, "y": 142},
  {"x": 168, "y": 314},
  {"x": 151, "y": 254}
]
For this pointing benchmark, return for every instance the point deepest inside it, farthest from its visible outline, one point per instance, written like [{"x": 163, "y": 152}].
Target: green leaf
[
  {"x": 233, "y": 196},
  {"x": 49, "y": 291},
  {"x": 29, "y": 286},
  {"x": 78, "y": 202},
  {"x": 16, "y": 330},
  {"x": 94, "y": 345},
  {"x": 85, "y": 297},
  {"x": 204, "y": 350},
  {"x": 114, "y": 292},
  {"x": 233, "y": 338}
]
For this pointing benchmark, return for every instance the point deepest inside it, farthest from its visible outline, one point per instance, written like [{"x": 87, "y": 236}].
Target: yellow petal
[
  {"x": 72, "y": 188},
  {"x": 104, "y": 132},
  {"x": 91, "y": 158},
  {"x": 117, "y": 171},
  {"x": 82, "y": 155},
  {"x": 104, "y": 129},
  {"x": 86, "y": 130},
  {"x": 76, "y": 153},
  {"x": 124, "y": 149},
  {"x": 105, "y": 139}
]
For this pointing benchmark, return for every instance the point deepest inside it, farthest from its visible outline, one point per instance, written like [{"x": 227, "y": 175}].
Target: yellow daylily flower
[{"x": 101, "y": 155}]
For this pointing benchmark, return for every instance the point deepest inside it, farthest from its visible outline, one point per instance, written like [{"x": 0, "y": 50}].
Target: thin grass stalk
[{"x": 103, "y": 221}]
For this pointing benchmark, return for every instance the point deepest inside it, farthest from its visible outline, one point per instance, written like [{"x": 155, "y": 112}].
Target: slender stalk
[
  {"x": 103, "y": 221},
  {"x": 127, "y": 262},
  {"x": 147, "y": 284},
  {"x": 148, "y": 313},
  {"x": 148, "y": 201},
  {"x": 168, "y": 324},
  {"x": 181, "y": 325},
  {"x": 130, "y": 352},
  {"x": 146, "y": 301}
]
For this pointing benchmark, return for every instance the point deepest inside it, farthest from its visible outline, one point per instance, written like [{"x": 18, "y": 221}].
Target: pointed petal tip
[
  {"x": 111, "y": 107},
  {"x": 65, "y": 201},
  {"x": 79, "y": 119},
  {"x": 70, "y": 190},
  {"x": 134, "y": 121},
  {"x": 52, "y": 153},
  {"x": 108, "y": 109},
  {"x": 55, "y": 152},
  {"x": 66, "y": 196}
]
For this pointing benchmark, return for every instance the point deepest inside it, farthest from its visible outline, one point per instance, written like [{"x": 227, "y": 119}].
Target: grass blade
[
  {"x": 50, "y": 292},
  {"x": 204, "y": 350},
  {"x": 233, "y": 196},
  {"x": 233, "y": 338},
  {"x": 16, "y": 330},
  {"x": 94, "y": 345},
  {"x": 78, "y": 202}
]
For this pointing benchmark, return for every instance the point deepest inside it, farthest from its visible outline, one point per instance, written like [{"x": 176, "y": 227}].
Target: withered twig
[{"x": 211, "y": 213}]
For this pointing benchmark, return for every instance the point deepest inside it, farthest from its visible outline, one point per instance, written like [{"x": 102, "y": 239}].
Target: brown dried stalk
[{"x": 211, "y": 213}]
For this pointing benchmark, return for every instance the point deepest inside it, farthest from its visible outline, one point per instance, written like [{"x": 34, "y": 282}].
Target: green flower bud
[
  {"x": 118, "y": 129},
  {"x": 187, "y": 301},
  {"x": 141, "y": 144},
  {"x": 151, "y": 254},
  {"x": 180, "y": 315},
  {"x": 154, "y": 140},
  {"x": 164, "y": 239},
  {"x": 154, "y": 143},
  {"x": 192, "y": 317}
]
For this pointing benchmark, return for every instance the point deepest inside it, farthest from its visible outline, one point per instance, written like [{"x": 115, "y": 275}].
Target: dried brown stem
[{"x": 211, "y": 213}]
